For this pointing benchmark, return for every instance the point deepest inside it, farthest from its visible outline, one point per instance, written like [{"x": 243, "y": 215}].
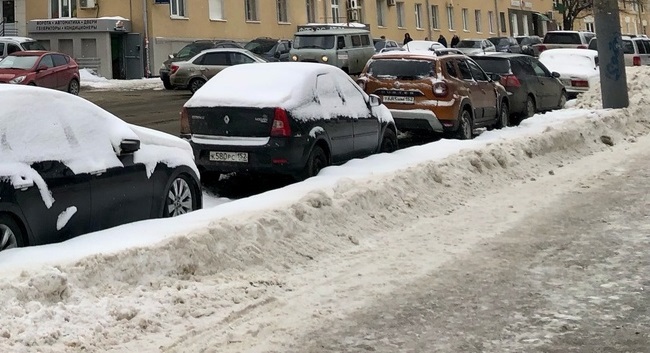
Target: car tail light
[
  {"x": 541, "y": 48},
  {"x": 636, "y": 61},
  {"x": 579, "y": 83},
  {"x": 440, "y": 89},
  {"x": 280, "y": 126},
  {"x": 510, "y": 81},
  {"x": 174, "y": 69},
  {"x": 185, "y": 122},
  {"x": 582, "y": 46}
]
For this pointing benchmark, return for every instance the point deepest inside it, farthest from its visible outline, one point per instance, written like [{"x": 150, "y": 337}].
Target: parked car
[
  {"x": 270, "y": 49},
  {"x": 578, "y": 68},
  {"x": 242, "y": 120},
  {"x": 564, "y": 39},
  {"x": 527, "y": 42},
  {"x": 475, "y": 46},
  {"x": 192, "y": 74},
  {"x": 10, "y": 45},
  {"x": 531, "y": 86},
  {"x": 435, "y": 94},
  {"x": 190, "y": 51},
  {"x": 506, "y": 44},
  {"x": 69, "y": 167},
  {"x": 635, "y": 51},
  {"x": 422, "y": 46},
  {"x": 384, "y": 45},
  {"x": 41, "y": 68}
]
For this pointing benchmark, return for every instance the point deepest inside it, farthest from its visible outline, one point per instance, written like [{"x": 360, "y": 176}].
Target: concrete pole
[{"x": 613, "y": 82}]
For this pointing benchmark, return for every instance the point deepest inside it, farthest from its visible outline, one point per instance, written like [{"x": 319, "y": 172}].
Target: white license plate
[
  {"x": 239, "y": 157},
  {"x": 399, "y": 99}
]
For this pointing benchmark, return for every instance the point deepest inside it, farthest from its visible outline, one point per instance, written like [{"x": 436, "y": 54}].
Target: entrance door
[
  {"x": 8, "y": 11},
  {"x": 133, "y": 55}
]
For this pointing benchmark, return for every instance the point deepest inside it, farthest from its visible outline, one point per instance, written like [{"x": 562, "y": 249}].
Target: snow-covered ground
[
  {"x": 151, "y": 284},
  {"x": 90, "y": 80}
]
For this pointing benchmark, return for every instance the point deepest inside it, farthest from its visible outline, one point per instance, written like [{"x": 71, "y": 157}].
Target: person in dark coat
[
  {"x": 407, "y": 38},
  {"x": 454, "y": 41},
  {"x": 442, "y": 40}
]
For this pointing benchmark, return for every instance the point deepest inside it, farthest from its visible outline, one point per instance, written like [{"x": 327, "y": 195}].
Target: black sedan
[
  {"x": 532, "y": 87},
  {"x": 68, "y": 167},
  {"x": 284, "y": 118}
]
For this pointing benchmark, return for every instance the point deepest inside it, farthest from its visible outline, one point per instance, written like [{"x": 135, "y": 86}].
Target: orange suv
[{"x": 436, "y": 93}]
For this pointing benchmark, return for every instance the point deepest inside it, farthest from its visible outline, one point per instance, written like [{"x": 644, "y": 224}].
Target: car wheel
[
  {"x": 11, "y": 236},
  {"x": 167, "y": 84},
  {"x": 388, "y": 142},
  {"x": 73, "y": 87},
  {"x": 563, "y": 99},
  {"x": 530, "y": 107},
  {"x": 465, "y": 130},
  {"x": 316, "y": 162},
  {"x": 181, "y": 197},
  {"x": 195, "y": 84}
]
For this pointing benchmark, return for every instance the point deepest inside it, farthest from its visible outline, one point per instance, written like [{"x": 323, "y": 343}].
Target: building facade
[
  {"x": 104, "y": 33},
  {"x": 634, "y": 18}
]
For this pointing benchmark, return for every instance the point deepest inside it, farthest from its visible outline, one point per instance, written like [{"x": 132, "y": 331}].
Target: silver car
[
  {"x": 476, "y": 46},
  {"x": 193, "y": 73}
]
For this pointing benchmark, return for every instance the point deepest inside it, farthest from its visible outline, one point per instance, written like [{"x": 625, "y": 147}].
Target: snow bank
[
  {"x": 231, "y": 259},
  {"x": 90, "y": 79}
]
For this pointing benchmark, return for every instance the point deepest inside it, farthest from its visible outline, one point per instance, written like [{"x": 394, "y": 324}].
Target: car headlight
[
  {"x": 324, "y": 58},
  {"x": 18, "y": 79},
  {"x": 294, "y": 58}
]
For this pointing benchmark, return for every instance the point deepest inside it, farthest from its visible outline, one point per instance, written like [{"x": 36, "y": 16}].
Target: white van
[{"x": 9, "y": 45}]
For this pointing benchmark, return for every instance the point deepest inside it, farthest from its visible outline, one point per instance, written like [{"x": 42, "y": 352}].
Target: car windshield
[
  {"x": 261, "y": 46},
  {"x": 493, "y": 65},
  {"x": 33, "y": 45},
  {"x": 469, "y": 44},
  {"x": 315, "y": 42},
  {"x": 401, "y": 69},
  {"x": 18, "y": 62},
  {"x": 190, "y": 50}
]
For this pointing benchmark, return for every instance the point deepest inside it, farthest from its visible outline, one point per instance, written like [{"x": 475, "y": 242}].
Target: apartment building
[
  {"x": 633, "y": 14},
  {"x": 131, "y": 38}
]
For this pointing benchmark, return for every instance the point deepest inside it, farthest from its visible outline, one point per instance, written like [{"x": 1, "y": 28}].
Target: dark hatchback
[
  {"x": 316, "y": 117},
  {"x": 531, "y": 86}
]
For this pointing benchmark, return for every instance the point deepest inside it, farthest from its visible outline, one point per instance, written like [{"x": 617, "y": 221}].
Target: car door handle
[
  {"x": 98, "y": 172},
  {"x": 24, "y": 184}
]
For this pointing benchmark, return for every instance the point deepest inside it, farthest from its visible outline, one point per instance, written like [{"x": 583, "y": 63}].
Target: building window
[
  {"x": 514, "y": 25},
  {"x": 589, "y": 26},
  {"x": 477, "y": 18},
  {"x": 356, "y": 6},
  {"x": 435, "y": 17},
  {"x": 400, "y": 15},
  {"x": 502, "y": 18},
  {"x": 251, "y": 10},
  {"x": 465, "y": 20},
  {"x": 418, "y": 15},
  {"x": 311, "y": 11},
  {"x": 177, "y": 8},
  {"x": 524, "y": 19},
  {"x": 216, "y": 10},
  {"x": 450, "y": 18},
  {"x": 282, "y": 11},
  {"x": 335, "y": 11},
  {"x": 63, "y": 8},
  {"x": 491, "y": 21},
  {"x": 381, "y": 17}
]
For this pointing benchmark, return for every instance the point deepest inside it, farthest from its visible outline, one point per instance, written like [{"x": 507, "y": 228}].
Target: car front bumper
[{"x": 416, "y": 120}]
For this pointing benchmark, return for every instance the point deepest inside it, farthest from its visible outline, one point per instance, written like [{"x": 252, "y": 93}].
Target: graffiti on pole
[{"x": 613, "y": 68}]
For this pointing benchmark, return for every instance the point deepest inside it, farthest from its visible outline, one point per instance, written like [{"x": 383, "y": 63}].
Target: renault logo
[{"x": 226, "y": 119}]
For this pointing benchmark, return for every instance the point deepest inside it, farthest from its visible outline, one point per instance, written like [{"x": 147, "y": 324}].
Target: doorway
[
  {"x": 8, "y": 11},
  {"x": 117, "y": 56}
]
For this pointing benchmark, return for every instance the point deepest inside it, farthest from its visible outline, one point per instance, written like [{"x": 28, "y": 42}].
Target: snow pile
[
  {"x": 126, "y": 300},
  {"x": 89, "y": 79},
  {"x": 638, "y": 87}
]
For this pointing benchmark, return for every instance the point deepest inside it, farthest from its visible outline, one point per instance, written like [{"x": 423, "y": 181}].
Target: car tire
[
  {"x": 168, "y": 85},
  {"x": 11, "y": 235},
  {"x": 73, "y": 87},
  {"x": 563, "y": 99},
  {"x": 316, "y": 162},
  {"x": 388, "y": 142},
  {"x": 465, "y": 129},
  {"x": 180, "y": 197},
  {"x": 196, "y": 84},
  {"x": 530, "y": 108}
]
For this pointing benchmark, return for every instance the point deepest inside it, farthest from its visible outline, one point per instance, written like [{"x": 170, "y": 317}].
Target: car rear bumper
[
  {"x": 164, "y": 74},
  {"x": 416, "y": 120}
]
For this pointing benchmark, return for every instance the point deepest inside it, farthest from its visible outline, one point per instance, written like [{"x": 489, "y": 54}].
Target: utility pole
[{"x": 613, "y": 82}]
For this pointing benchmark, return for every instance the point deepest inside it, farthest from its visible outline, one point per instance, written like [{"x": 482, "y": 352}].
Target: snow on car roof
[
  {"x": 569, "y": 52},
  {"x": 260, "y": 85}
]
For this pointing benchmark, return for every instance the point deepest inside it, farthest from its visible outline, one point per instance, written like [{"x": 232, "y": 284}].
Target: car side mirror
[
  {"x": 41, "y": 67},
  {"x": 129, "y": 146},
  {"x": 171, "y": 56},
  {"x": 495, "y": 77},
  {"x": 277, "y": 54},
  {"x": 374, "y": 100},
  {"x": 555, "y": 74}
]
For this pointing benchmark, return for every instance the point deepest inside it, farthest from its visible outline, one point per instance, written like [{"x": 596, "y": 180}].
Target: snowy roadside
[
  {"x": 89, "y": 80},
  {"x": 221, "y": 263}
]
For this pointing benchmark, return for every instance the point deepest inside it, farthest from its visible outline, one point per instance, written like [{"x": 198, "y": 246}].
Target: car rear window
[
  {"x": 628, "y": 46},
  {"x": 33, "y": 45},
  {"x": 493, "y": 65},
  {"x": 401, "y": 69},
  {"x": 562, "y": 38},
  {"x": 261, "y": 46}
]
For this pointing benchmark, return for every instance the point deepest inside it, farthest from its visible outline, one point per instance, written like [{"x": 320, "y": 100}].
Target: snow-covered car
[
  {"x": 284, "y": 118},
  {"x": 578, "y": 68},
  {"x": 422, "y": 46},
  {"x": 476, "y": 46},
  {"x": 68, "y": 167}
]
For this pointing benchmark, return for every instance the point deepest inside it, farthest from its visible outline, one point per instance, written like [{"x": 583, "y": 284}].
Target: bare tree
[{"x": 572, "y": 10}]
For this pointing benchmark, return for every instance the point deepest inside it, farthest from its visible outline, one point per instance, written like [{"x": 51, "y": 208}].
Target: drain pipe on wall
[
  {"x": 145, "y": 19},
  {"x": 497, "y": 17},
  {"x": 429, "y": 20}
]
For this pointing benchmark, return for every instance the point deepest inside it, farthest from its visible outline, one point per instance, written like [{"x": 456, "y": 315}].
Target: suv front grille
[{"x": 395, "y": 92}]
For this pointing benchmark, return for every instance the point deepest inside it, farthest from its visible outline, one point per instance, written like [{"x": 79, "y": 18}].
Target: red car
[{"x": 41, "y": 68}]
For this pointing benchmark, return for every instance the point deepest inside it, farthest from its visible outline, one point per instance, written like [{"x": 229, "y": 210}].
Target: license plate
[
  {"x": 239, "y": 157},
  {"x": 399, "y": 99}
]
